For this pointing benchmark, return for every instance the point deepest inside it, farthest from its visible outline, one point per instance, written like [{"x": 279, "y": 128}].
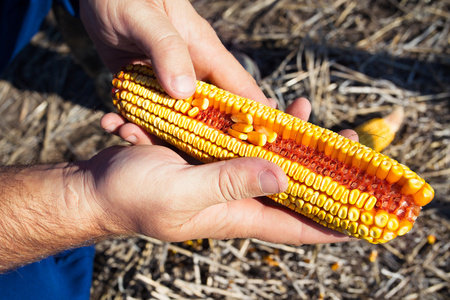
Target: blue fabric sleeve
[
  {"x": 67, "y": 275},
  {"x": 20, "y": 21}
]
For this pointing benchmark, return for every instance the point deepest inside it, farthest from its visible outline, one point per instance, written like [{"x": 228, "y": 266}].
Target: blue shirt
[
  {"x": 20, "y": 21},
  {"x": 67, "y": 275}
]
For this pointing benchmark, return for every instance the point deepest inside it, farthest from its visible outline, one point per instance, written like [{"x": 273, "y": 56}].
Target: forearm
[{"x": 43, "y": 210}]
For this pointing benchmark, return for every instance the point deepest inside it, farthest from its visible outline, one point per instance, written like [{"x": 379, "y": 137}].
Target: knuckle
[
  {"x": 169, "y": 40},
  {"x": 231, "y": 185}
]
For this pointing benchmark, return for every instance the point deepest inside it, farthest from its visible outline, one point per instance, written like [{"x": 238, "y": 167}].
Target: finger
[
  {"x": 157, "y": 37},
  {"x": 137, "y": 136},
  {"x": 279, "y": 224},
  {"x": 231, "y": 76},
  {"x": 214, "y": 63},
  {"x": 111, "y": 122},
  {"x": 116, "y": 124},
  {"x": 273, "y": 103},
  {"x": 349, "y": 133},
  {"x": 300, "y": 108},
  {"x": 251, "y": 218},
  {"x": 231, "y": 180}
]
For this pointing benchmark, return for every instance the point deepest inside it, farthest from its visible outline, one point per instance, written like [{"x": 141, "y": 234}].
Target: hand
[
  {"x": 170, "y": 35},
  {"x": 175, "y": 201},
  {"x": 181, "y": 47},
  {"x": 153, "y": 191}
]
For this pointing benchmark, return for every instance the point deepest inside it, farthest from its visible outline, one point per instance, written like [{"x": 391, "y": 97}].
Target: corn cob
[
  {"x": 379, "y": 133},
  {"x": 334, "y": 181}
]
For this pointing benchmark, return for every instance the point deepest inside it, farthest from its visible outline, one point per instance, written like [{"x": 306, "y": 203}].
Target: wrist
[
  {"x": 44, "y": 211},
  {"x": 85, "y": 204}
]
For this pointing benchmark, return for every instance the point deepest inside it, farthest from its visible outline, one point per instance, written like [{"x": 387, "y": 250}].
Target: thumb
[
  {"x": 156, "y": 36},
  {"x": 234, "y": 179}
]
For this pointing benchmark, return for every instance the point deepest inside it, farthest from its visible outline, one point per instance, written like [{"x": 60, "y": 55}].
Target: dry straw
[{"x": 355, "y": 60}]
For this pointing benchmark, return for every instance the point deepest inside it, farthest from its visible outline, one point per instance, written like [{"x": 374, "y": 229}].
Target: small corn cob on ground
[
  {"x": 334, "y": 181},
  {"x": 379, "y": 133}
]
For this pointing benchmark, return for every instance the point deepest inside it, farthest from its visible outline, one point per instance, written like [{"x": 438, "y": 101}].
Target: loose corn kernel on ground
[{"x": 334, "y": 181}]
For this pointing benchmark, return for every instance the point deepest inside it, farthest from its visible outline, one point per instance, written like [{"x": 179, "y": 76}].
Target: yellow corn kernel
[
  {"x": 362, "y": 200},
  {"x": 412, "y": 186},
  {"x": 310, "y": 178},
  {"x": 374, "y": 164},
  {"x": 307, "y": 208},
  {"x": 363, "y": 230},
  {"x": 367, "y": 217},
  {"x": 321, "y": 215},
  {"x": 384, "y": 168},
  {"x": 340, "y": 142},
  {"x": 424, "y": 195},
  {"x": 342, "y": 155},
  {"x": 335, "y": 208},
  {"x": 395, "y": 173},
  {"x": 353, "y": 214},
  {"x": 351, "y": 153},
  {"x": 315, "y": 210},
  {"x": 237, "y": 134},
  {"x": 201, "y": 103},
  {"x": 342, "y": 213},
  {"x": 242, "y": 127},
  {"x": 431, "y": 238},
  {"x": 388, "y": 235},
  {"x": 257, "y": 138},
  {"x": 286, "y": 165},
  {"x": 177, "y": 105},
  {"x": 407, "y": 175},
  {"x": 392, "y": 223},
  {"x": 331, "y": 188},
  {"x": 307, "y": 195},
  {"x": 321, "y": 144},
  {"x": 325, "y": 183},
  {"x": 327, "y": 205},
  {"x": 370, "y": 203},
  {"x": 328, "y": 220},
  {"x": 185, "y": 107},
  {"x": 242, "y": 118},
  {"x": 352, "y": 227},
  {"x": 317, "y": 182},
  {"x": 337, "y": 194},
  {"x": 366, "y": 159},
  {"x": 287, "y": 131},
  {"x": 337, "y": 223},
  {"x": 270, "y": 134},
  {"x": 321, "y": 200},
  {"x": 404, "y": 227},
  {"x": 353, "y": 196},
  {"x": 375, "y": 232},
  {"x": 193, "y": 112},
  {"x": 381, "y": 218}
]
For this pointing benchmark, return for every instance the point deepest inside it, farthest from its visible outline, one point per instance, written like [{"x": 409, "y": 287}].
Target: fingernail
[
  {"x": 183, "y": 84},
  {"x": 273, "y": 103},
  {"x": 268, "y": 183},
  {"x": 110, "y": 128},
  {"x": 131, "y": 139}
]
